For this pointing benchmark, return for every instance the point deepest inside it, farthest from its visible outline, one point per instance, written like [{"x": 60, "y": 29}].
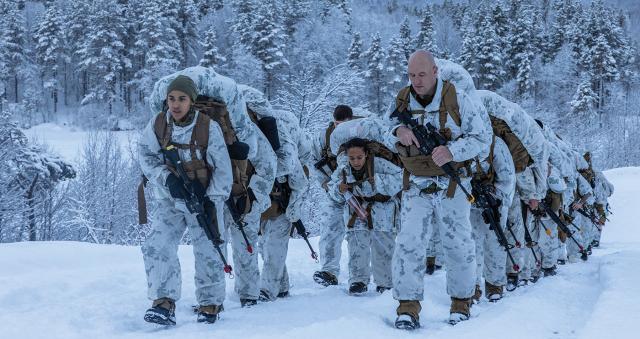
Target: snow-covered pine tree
[
  {"x": 425, "y": 39},
  {"x": 470, "y": 45},
  {"x": 396, "y": 67},
  {"x": 500, "y": 23},
  {"x": 375, "y": 73},
  {"x": 585, "y": 99},
  {"x": 268, "y": 44},
  {"x": 354, "y": 57},
  {"x": 14, "y": 49},
  {"x": 242, "y": 22},
  {"x": 488, "y": 55},
  {"x": 187, "y": 31},
  {"x": 600, "y": 57},
  {"x": 522, "y": 50},
  {"x": 405, "y": 38},
  {"x": 155, "y": 47},
  {"x": 50, "y": 51},
  {"x": 211, "y": 57},
  {"x": 77, "y": 22},
  {"x": 101, "y": 55}
]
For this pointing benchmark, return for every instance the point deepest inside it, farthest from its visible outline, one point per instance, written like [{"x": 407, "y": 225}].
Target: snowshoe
[
  {"x": 534, "y": 279},
  {"x": 162, "y": 312},
  {"x": 523, "y": 282},
  {"x": 549, "y": 272},
  {"x": 595, "y": 244},
  {"x": 325, "y": 278},
  {"x": 209, "y": 314},
  {"x": 382, "y": 289},
  {"x": 357, "y": 288},
  {"x": 248, "y": 302},
  {"x": 562, "y": 262},
  {"x": 407, "y": 322}
]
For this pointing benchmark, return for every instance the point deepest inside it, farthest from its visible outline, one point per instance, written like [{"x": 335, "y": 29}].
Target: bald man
[{"x": 430, "y": 200}]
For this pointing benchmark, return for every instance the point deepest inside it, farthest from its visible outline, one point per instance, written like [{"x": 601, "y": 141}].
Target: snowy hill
[{"x": 78, "y": 290}]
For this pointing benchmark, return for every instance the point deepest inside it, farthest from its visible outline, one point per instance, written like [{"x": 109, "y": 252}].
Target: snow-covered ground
[
  {"x": 78, "y": 290},
  {"x": 68, "y": 141}
]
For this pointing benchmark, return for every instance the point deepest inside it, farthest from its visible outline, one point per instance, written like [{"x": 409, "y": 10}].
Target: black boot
[
  {"x": 562, "y": 262},
  {"x": 357, "y": 288},
  {"x": 549, "y": 272},
  {"x": 584, "y": 256},
  {"x": 325, "y": 278},
  {"x": 248, "y": 302},
  {"x": 595, "y": 243},
  {"x": 283, "y": 294},
  {"x": 512, "y": 282},
  {"x": 407, "y": 322},
  {"x": 209, "y": 314},
  {"x": 162, "y": 312},
  {"x": 382, "y": 289}
]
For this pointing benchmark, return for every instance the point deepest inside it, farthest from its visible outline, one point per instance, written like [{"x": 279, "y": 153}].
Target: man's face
[
  {"x": 423, "y": 76},
  {"x": 179, "y": 104}
]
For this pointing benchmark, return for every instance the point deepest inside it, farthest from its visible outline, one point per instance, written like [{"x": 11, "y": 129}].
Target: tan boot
[
  {"x": 493, "y": 292},
  {"x": 408, "y": 315},
  {"x": 477, "y": 295},
  {"x": 460, "y": 310},
  {"x": 209, "y": 314}
]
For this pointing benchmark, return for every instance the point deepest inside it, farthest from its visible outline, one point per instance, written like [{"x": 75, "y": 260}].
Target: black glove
[
  {"x": 176, "y": 187},
  {"x": 245, "y": 201}
]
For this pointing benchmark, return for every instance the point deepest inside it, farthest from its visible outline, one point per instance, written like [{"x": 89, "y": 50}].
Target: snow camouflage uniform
[
  {"x": 548, "y": 241},
  {"x": 425, "y": 207},
  {"x": 170, "y": 217},
  {"x": 275, "y": 224},
  {"x": 333, "y": 231},
  {"x": 370, "y": 242},
  {"x": 603, "y": 190},
  {"x": 490, "y": 256},
  {"x": 581, "y": 189},
  {"x": 528, "y": 148},
  {"x": 261, "y": 156}
]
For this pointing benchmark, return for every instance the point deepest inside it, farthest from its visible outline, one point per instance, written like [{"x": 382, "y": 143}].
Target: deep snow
[{"x": 80, "y": 290}]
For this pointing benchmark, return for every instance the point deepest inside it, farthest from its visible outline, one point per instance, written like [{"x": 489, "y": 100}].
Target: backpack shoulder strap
[
  {"x": 449, "y": 105},
  {"x": 327, "y": 138},
  {"x": 162, "y": 130},
  {"x": 200, "y": 136},
  {"x": 402, "y": 99}
]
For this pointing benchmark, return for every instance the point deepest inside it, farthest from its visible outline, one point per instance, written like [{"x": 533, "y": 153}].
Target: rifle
[
  {"x": 299, "y": 228},
  {"x": 429, "y": 138},
  {"x": 283, "y": 203},
  {"x": 561, "y": 225},
  {"x": 239, "y": 221},
  {"x": 323, "y": 166},
  {"x": 491, "y": 214},
  {"x": 591, "y": 216},
  {"x": 207, "y": 218}
]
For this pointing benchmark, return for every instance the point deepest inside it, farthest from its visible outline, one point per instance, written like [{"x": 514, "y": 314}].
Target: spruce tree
[
  {"x": 396, "y": 66},
  {"x": 354, "y": 57},
  {"x": 14, "y": 49},
  {"x": 375, "y": 73},
  {"x": 405, "y": 38},
  {"x": 488, "y": 56},
  {"x": 425, "y": 39},
  {"x": 49, "y": 50},
  {"x": 268, "y": 44},
  {"x": 211, "y": 57},
  {"x": 585, "y": 99}
]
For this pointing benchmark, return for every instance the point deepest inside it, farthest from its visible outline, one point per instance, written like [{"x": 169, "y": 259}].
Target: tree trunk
[{"x": 32, "y": 214}]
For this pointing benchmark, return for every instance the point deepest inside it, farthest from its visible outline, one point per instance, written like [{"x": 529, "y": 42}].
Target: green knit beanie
[{"x": 184, "y": 84}]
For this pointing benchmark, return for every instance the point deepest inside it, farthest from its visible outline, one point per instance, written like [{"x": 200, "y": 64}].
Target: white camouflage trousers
[
  {"x": 245, "y": 264},
  {"x": 370, "y": 251},
  {"x": 531, "y": 265},
  {"x": 420, "y": 214},
  {"x": 548, "y": 242},
  {"x": 331, "y": 237},
  {"x": 160, "y": 254},
  {"x": 515, "y": 226},
  {"x": 275, "y": 245},
  {"x": 490, "y": 256}
]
